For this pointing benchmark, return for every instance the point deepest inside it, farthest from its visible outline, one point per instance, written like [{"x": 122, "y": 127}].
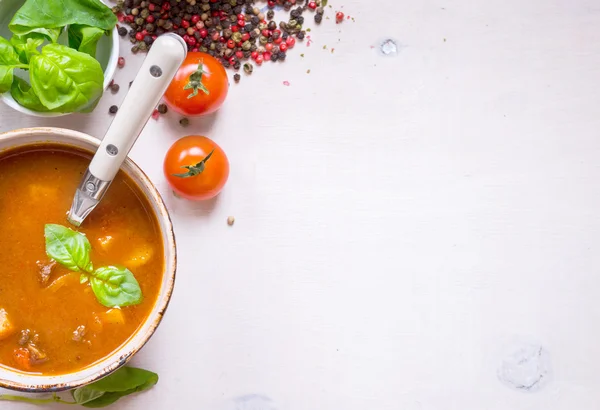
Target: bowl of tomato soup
[{"x": 75, "y": 303}]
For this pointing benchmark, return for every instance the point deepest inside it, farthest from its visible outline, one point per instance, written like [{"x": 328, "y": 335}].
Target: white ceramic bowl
[
  {"x": 107, "y": 54},
  {"x": 27, "y": 382}
]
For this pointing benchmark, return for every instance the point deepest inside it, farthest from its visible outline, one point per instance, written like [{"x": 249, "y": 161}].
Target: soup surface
[{"x": 50, "y": 323}]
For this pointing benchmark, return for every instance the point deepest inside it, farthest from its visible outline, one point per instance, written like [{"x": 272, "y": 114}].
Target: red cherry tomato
[
  {"x": 199, "y": 87},
  {"x": 196, "y": 168}
]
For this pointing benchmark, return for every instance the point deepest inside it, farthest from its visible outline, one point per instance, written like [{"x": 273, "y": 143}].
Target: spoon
[{"x": 160, "y": 66}]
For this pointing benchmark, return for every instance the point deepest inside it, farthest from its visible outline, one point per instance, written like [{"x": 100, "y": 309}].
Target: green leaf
[
  {"x": 84, "y": 38},
  {"x": 116, "y": 287},
  {"x": 41, "y": 15},
  {"x": 67, "y": 247},
  {"x": 84, "y": 395},
  {"x": 124, "y": 381},
  {"x": 22, "y": 93},
  {"x": 66, "y": 80},
  {"x": 27, "y": 45},
  {"x": 9, "y": 60}
]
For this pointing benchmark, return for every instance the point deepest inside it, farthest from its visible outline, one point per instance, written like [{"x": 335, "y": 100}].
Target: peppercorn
[
  {"x": 300, "y": 35},
  {"x": 135, "y": 49},
  {"x": 114, "y": 88},
  {"x": 282, "y": 56},
  {"x": 184, "y": 122},
  {"x": 272, "y": 25},
  {"x": 150, "y": 28},
  {"x": 300, "y": 20},
  {"x": 162, "y": 108},
  {"x": 248, "y": 68},
  {"x": 121, "y": 62},
  {"x": 318, "y": 18},
  {"x": 320, "y": 10},
  {"x": 270, "y": 15},
  {"x": 237, "y": 78},
  {"x": 113, "y": 109},
  {"x": 148, "y": 40},
  {"x": 237, "y": 65},
  {"x": 122, "y": 31}
]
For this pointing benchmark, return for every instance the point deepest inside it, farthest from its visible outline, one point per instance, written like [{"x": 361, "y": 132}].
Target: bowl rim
[
  {"x": 113, "y": 361},
  {"x": 109, "y": 74}
]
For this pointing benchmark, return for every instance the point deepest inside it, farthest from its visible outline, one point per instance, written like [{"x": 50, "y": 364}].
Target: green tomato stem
[{"x": 194, "y": 170}]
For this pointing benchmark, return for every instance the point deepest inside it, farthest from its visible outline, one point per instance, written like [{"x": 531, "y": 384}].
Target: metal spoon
[{"x": 160, "y": 66}]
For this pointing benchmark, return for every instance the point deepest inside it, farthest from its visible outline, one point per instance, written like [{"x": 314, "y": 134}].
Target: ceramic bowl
[
  {"x": 27, "y": 382},
  {"x": 107, "y": 54}
]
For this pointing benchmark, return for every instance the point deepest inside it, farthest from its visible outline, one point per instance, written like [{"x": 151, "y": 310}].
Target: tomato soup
[{"x": 51, "y": 318}]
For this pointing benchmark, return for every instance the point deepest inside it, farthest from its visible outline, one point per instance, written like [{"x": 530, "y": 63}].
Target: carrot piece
[{"x": 22, "y": 358}]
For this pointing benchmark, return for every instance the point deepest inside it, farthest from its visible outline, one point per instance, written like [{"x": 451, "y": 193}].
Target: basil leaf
[
  {"x": 27, "y": 45},
  {"x": 124, "y": 381},
  {"x": 65, "y": 79},
  {"x": 22, "y": 92},
  {"x": 84, "y": 395},
  {"x": 84, "y": 38},
  {"x": 39, "y": 15},
  {"x": 9, "y": 60},
  {"x": 67, "y": 247},
  {"x": 116, "y": 287}
]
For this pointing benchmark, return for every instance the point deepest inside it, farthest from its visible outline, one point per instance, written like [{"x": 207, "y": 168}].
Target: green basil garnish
[
  {"x": 69, "y": 248},
  {"x": 104, "y": 392},
  {"x": 112, "y": 286},
  {"x": 116, "y": 287},
  {"x": 64, "y": 79}
]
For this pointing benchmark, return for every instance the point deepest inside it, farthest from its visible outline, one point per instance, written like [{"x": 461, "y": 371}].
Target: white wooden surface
[{"x": 403, "y": 224}]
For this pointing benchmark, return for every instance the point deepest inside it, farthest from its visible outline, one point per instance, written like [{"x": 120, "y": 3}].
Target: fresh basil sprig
[
  {"x": 104, "y": 392},
  {"x": 113, "y": 286}
]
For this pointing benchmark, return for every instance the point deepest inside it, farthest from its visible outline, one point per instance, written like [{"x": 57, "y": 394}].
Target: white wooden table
[{"x": 413, "y": 232}]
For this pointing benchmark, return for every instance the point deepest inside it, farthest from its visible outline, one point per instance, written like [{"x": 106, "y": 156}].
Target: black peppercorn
[
  {"x": 237, "y": 78},
  {"x": 270, "y": 15},
  {"x": 148, "y": 40},
  {"x": 300, "y": 35},
  {"x": 162, "y": 108},
  {"x": 300, "y": 20},
  {"x": 113, "y": 109},
  {"x": 282, "y": 56},
  {"x": 318, "y": 18},
  {"x": 272, "y": 25},
  {"x": 122, "y": 31},
  {"x": 274, "y": 56},
  {"x": 114, "y": 88}
]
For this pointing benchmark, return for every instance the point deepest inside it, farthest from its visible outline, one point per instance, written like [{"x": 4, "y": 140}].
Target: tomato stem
[
  {"x": 195, "y": 82},
  {"x": 194, "y": 170}
]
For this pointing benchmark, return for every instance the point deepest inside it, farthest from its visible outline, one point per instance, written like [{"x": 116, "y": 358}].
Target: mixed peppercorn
[{"x": 230, "y": 30}]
